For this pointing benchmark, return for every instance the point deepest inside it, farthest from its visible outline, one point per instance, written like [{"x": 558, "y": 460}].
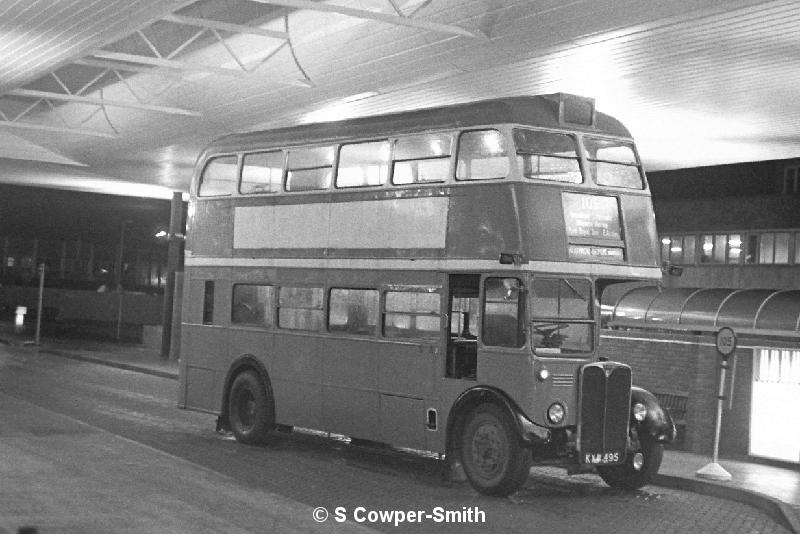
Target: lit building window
[
  {"x": 791, "y": 180},
  {"x": 764, "y": 248},
  {"x": 678, "y": 250},
  {"x": 707, "y": 252},
  {"x": 797, "y": 248},
  {"x": 734, "y": 248}
]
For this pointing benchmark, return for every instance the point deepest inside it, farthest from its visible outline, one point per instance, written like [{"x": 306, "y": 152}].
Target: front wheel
[
  {"x": 638, "y": 469},
  {"x": 251, "y": 412},
  {"x": 492, "y": 454}
]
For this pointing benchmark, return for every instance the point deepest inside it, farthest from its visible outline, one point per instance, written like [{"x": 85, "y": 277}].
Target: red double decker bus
[{"x": 429, "y": 280}]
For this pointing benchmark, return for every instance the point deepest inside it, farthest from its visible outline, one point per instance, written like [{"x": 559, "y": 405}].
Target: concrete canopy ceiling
[{"x": 120, "y": 95}]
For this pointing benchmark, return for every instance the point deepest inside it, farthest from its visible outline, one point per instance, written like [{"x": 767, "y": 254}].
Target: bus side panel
[
  {"x": 407, "y": 369},
  {"x": 296, "y": 375},
  {"x": 212, "y": 228},
  {"x": 545, "y": 237},
  {"x": 482, "y": 225},
  {"x": 510, "y": 370},
  {"x": 204, "y": 347},
  {"x": 349, "y": 411},
  {"x": 403, "y": 422},
  {"x": 203, "y": 353},
  {"x": 350, "y": 395},
  {"x": 640, "y": 229},
  {"x": 251, "y": 342}
]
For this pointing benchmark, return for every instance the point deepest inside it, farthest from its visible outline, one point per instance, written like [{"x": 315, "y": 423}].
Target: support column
[{"x": 173, "y": 266}]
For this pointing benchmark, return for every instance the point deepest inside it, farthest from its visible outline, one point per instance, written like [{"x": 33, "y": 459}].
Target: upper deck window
[
  {"x": 482, "y": 155},
  {"x": 262, "y": 173},
  {"x": 548, "y": 156},
  {"x": 363, "y": 164},
  {"x": 613, "y": 163},
  {"x": 422, "y": 159},
  {"x": 309, "y": 169},
  {"x": 219, "y": 177}
]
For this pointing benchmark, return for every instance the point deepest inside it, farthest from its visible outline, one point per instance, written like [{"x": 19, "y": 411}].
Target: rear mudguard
[{"x": 657, "y": 424}]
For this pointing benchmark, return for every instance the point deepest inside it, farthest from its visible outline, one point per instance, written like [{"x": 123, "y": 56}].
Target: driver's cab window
[
  {"x": 563, "y": 324},
  {"x": 502, "y": 326}
]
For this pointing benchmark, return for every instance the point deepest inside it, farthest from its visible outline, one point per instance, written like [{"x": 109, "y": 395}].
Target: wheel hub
[
  {"x": 247, "y": 409},
  {"x": 638, "y": 461},
  {"x": 487, "y": 450}
]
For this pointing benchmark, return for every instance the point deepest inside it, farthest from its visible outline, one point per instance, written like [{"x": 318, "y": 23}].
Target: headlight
[
  {"x": 555, "y": 413},
  {"x": 542, "y": 374},
  {"x": 639, "y": 411}
]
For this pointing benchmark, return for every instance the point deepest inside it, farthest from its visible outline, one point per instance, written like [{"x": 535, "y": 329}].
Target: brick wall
[
  {"x": 685, "y": 363},
  {"x": 664, "y": 362}
]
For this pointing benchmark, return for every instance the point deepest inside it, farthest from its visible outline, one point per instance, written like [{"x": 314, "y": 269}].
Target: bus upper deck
[{"x": 512, "y": 181}]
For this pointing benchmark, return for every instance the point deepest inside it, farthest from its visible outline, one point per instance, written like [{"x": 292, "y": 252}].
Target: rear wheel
[
  {"x": 638, "y": 469},
  {"x": 492, "y": 454},
  {"x": 251, "y": 411}
]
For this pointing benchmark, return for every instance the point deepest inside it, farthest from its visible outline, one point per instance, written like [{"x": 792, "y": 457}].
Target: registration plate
[{"x": 601, "y": 458}]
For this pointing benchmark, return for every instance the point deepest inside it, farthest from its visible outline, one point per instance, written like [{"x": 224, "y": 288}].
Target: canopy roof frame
[{"x": 773, "y": 312}]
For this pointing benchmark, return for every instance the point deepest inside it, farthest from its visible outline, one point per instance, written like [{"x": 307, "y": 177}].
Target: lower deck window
[
  {"x": 300, "y": 308},
  {"x": 411, "y": 314},
  {"x": 353, "y": 311},
  {"x": 252, "y": 304},
  {"x": 208, "y": 302}
]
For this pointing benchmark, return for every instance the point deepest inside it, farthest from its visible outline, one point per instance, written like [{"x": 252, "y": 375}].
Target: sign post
[
  {"x": 726, "y": 346},
  {"x": 39, "y": 314}
]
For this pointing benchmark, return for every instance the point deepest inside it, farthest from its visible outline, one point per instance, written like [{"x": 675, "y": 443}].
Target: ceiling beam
[
  {"x": 29, "y": 93},
  {"x": 116, "y": 65},
  {"x": 225, "y": 26},
  {"x": 373, "y": 15},
  {"x": 172, "y": 64},
  {"x": 58, "y": 129},
  {"x": 166, "y": 63}
]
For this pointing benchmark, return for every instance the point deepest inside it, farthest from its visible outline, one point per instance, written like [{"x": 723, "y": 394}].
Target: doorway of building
[{"x": 775, "y": 407}]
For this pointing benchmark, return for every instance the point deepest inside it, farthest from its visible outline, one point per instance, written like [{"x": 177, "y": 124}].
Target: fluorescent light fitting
[{"x": 359, "y": 96}]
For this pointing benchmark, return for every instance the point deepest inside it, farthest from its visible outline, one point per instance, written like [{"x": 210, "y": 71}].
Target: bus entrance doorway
[{"x": 462, "y": 340}]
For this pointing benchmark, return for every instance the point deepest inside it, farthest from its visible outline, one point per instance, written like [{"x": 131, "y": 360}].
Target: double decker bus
[{"x": 429, "y": 280}]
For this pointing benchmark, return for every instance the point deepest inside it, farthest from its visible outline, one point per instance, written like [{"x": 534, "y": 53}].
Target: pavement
[{"x": 773, "y": 489}]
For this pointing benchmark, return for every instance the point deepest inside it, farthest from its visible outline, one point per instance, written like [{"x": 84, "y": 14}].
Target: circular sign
[{"x": 726, "y": 341}]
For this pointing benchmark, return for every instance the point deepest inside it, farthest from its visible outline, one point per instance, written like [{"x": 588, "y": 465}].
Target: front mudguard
[
  {"x": 530, "y": 433},
  {"x": 657, "y": 425}
]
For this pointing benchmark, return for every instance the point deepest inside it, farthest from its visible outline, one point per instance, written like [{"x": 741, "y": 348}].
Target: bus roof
[{"x": 541, "y": 111}]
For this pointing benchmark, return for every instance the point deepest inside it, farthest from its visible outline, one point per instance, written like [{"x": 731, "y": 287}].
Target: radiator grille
[{"x": 605, "y": 408}]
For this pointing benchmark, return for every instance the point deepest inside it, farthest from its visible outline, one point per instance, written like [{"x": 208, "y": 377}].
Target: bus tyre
[
  {"x": 492, "y": 454},
  {"x": 250, "y": 409},
  {"x": 638, "y": 469}
]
